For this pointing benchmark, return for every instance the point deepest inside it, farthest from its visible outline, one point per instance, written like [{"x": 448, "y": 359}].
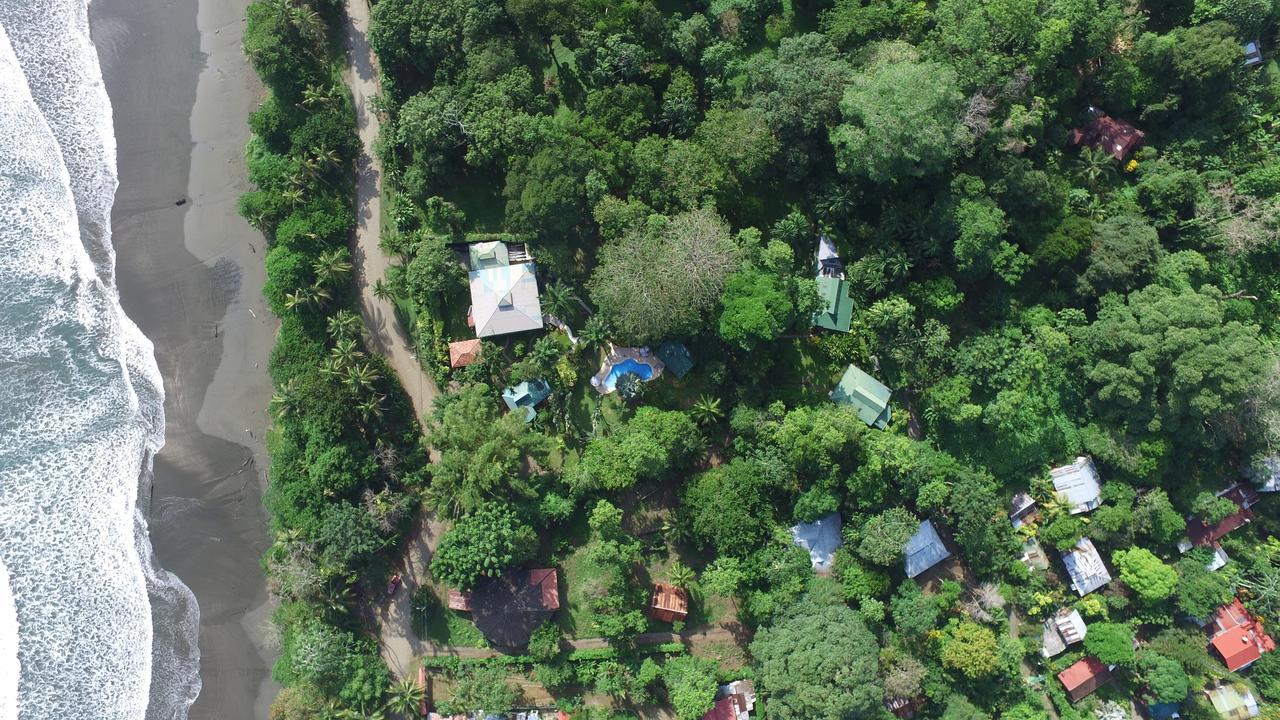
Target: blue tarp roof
[
  {"x": 924, "y": 550},
  {"x": 820, "y": 538}
]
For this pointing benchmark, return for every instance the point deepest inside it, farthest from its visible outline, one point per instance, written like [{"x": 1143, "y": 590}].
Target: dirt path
[
  {"x": 369, "y": 260},
  {"x": 1015, "y": 625}
]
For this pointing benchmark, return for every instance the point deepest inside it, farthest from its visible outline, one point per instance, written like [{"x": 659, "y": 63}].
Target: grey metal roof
[
  {"x": 1079, "y": 483},
  {"x": 1084, "y": 564},
  {"x": 924, "y": 550},
  {"x": 821, "y": 538}
]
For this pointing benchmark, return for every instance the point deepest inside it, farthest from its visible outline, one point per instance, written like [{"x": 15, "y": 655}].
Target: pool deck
[{"x": 619, "y": 354}]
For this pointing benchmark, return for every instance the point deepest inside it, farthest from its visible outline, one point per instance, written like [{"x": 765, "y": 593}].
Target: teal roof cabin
[
  {"x": 526, "y": 395},
  {"x": 868, "y": 395},
  {"x": 836, "y": 312},
  {"x": 676, "y": 357}
]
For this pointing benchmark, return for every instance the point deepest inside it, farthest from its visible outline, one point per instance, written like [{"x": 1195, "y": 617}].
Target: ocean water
[{"x": 90, "y": 626}]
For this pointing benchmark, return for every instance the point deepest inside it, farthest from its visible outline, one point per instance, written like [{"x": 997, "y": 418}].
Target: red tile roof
[
  {"x": 1240, "y": 639},
  {"x": 727, "y": 708},
  {"x": 463, "y": 352},
  {"x": 1085, "y": 676}
]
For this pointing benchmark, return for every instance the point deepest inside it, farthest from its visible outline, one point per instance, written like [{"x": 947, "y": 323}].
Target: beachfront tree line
[
  {"x": 671, "y": 166},
  {"x": 344, "y": 442}
]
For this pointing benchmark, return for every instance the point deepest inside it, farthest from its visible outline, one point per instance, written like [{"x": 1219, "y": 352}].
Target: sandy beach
[{"x": 190, "y": 273}]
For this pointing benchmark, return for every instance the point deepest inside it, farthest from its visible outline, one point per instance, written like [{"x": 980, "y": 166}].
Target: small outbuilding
[
  {"x": 734, "y": 701},
  {"x": 866, "y": 394},
  {"x": 1064, "y": 628},
  {"x": 1117, "y": 137},
  {"x": 668, "y": 603},
  {"x": 1232, "y": 703},
  {"x": 836, "y": 312},
  {"x": 1085, "y": 566},
  {"x": 821, "y": 538},
  {"x": 1252, "y": 54},
  {"x": 1079, "y": 484},
  {"x": 1022, "y": 509},
  {"x": 464, "y": 352},
  {"x": 1083, "y": 677},
  {"x": 924, "y": 550},
  {"x": 676, "y": 357},
  {"x": 524, "y": 396},
  {"x": 1201, "y": 535}
]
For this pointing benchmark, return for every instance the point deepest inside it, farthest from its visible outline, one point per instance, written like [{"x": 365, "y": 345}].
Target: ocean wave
[
  {"x": 9, "y": 667},
  {"x": 82, "y": 414}
]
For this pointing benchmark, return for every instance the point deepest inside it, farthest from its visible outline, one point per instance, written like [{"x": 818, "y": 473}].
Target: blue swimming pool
[{"x": 629, "y": 365}]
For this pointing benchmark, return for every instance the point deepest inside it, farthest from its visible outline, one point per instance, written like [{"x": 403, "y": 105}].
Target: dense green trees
[
  {"x": 819, "y": 661},
  {"x": 482, "y": 544},
  {"x": 651, "y": 445},
  {"x": 901, "y": 117}
]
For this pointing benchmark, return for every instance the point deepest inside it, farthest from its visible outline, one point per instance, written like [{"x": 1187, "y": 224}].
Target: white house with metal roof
[
  {"x": 1079, "y": 483},
  {"x": 504, "y": 299}
]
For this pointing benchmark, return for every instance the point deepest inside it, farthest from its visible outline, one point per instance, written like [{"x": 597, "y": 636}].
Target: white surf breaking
[{"x": 82, "y": 414}]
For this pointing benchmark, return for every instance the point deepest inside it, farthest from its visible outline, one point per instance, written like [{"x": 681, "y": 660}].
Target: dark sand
[{"x": 191, "y": 277}]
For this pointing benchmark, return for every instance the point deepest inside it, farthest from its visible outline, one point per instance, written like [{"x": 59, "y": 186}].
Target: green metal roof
[
  {"x": 837, "y": 308},
  {"x": 868, "y": 395},
  {"x": 676, "y": 357}
]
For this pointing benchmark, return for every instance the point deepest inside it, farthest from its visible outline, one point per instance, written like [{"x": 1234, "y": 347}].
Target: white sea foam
[
  {"x": 9, "y": 667},
  {"x": 81, "y": 411}
]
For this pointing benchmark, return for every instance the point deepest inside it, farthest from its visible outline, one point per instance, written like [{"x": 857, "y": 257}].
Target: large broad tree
[
  {"x": 662, "y": 278},
  {"x": 819, "y": 662},
  {"x": 482, "y": 453},
  {"x": 482, "y": 544},
  {"x": 1169, "y": 362},
  {"x": 651, "y": 444},
  {"x": 901, "y": 117}
]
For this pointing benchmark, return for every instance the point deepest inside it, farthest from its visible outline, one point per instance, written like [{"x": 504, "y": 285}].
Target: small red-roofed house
[
  {"x": 1083, "y": 677},
  {"x": 668, "y": 603},
  {"x": 1239, "y": 639},
  {"x": 464, "y": 352},
  {"x": 1116, "y": 137}
]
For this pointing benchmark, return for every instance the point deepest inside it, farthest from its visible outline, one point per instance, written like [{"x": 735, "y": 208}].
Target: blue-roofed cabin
[
  {"x": 924, "y": 550},
  {"x": 524, "y": 396}
]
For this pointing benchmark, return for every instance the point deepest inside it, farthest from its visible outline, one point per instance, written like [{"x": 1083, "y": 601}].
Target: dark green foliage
[
  {"x": 691, "y": 685},
  {"x": 914, "y": 612},
  {"x": 727, "y": 509},
  {"x": 482, "y": 544},
  {"x": 1111, "y": 643},
  {"x": 884, "y": 536},
  {"x": 651, "y": 445},
  {"x": 818, "y": 661},
  {"x": 1124, "y": 256}
]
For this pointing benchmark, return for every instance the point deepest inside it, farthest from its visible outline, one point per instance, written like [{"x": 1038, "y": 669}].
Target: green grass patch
[{"x": 434, "y": 621}]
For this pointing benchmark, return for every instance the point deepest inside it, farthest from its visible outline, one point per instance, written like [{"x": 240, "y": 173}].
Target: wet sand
[{"x": 191, "y": 276}]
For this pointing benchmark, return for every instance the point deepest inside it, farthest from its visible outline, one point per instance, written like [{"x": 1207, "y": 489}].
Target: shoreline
[{"x": 190, "y": 276}]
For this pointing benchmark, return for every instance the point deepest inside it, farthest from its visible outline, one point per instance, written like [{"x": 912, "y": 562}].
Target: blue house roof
[
  {"x": 924, "y": 550},
  {"x": 821, "y": 538}
]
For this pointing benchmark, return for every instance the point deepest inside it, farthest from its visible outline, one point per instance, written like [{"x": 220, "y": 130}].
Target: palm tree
[
  {"x": 316, "y": 95},
  {"x": 405, "y": 697},
  {"x": 323, "y": 157},
  {"x": 557, "y": 300},
  {"x": 344, "y": 324},
  {"x": 1093, "y": 163},
  {"x": 345, "y": 353},
  {"x": 332, "y": 267},
  {"x": 371, "y": 409},
  {"x": 706, "y": 410},
  {"x": 381, "y": 289},
  {"x": 361, "y": 377},
  {"x": 680, "y": 575},
  {"x": 595, "y": 333},
  {"x": 628, "y": 385},
  {"x": 285, "y": 401},
  {"x": 293, "y": 195},
  {"x": 301, "y": 298}
]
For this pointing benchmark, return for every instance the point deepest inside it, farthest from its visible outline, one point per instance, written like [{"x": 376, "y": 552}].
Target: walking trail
[{"x": 387, "y": 337}]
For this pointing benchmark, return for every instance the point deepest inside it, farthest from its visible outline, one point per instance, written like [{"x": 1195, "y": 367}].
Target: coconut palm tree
[
  {"x": 361, "y": 377},
  {"x": 316, "y": 96},
  {"x": 332, "y": 267},
  {"x": 557, "y": 300},
  {"x": 344, "y": 324},
  {"x": 595, "y": 333},
  {"x": 628, "y": 385},
  {"x": 285, "y": 400},
  {"x": 381, "y": 289},
  {"x": 303, "y": 297},
  {"x": 680, "y": 575},
  {"x": 1093, "y": 164},
  {"x": 345, "y": 353},
  {"x": 706, "y": 410},
  {"x": 292, "y": 195},
  {"x": 405, "y": 697},
  {"x": 371, "y": 409}
]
